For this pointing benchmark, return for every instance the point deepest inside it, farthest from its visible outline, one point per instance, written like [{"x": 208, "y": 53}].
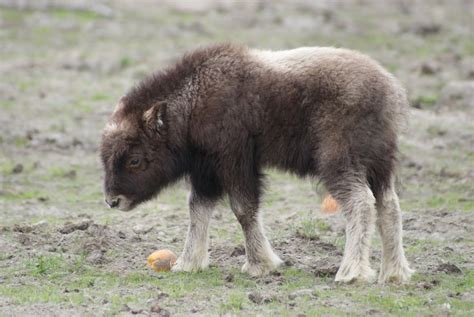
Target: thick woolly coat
[{"x": 222, "y": 114}]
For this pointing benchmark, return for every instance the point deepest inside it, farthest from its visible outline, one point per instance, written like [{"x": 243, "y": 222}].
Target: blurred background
[{"x": 63, "y": 66}]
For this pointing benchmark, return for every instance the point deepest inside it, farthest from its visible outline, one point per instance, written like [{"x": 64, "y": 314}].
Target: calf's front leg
[
  {"x": 195, "y": 255},
  {"x": 260, "y": 257}
]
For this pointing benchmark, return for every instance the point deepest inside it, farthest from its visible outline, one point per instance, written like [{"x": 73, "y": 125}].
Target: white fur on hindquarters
[
  {"x": 359, "y": 211},
  {"x": 195, "y": 255},
  {"x": 394, "y": 267}
]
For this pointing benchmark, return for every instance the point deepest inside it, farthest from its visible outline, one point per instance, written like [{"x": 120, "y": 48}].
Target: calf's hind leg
[
  {"x": 394, "y": 265},
  {"x": 358, "y": 207}
]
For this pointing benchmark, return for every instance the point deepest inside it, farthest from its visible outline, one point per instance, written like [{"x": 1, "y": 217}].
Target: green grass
[
  {"x": 427, "y": 100},
  {"x": 82, "y": 16},
  {"x": 12, "y": 16},
  {"x": 310, "y": 228},
  {"x": 23, "y": 195},
  {"x": 6, "y": 104},
  {"x": 101, "y": 97},
  {"x": 125, "y": 62},
  {"x": 234, "y": 302},
  {"x": 60, "y": 279}
]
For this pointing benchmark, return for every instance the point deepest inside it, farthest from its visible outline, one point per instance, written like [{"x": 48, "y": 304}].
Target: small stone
[
  {"x": 427, "y": 28},
  {"x": 373, "y": 312},
  {"x": 70, "y": 174},
  {"x": 429, "y": 68},
  {"x": 121, "y": 235},
  {"x": 229, "y": 278},
  {"x": 125, "y": 308},
  {"x": 22, "y": 228},
  {"x": 17, "y": 169},
  {"x": 96, "y": 257},
  {"x": 164, "y": 313},
  {"x": 238, "y": 250},
  {"x": 324, "y": 268},
  {"x": 41, "y": 224},
  {"x": 446, "y": 306},
  {"x": 449, "y": 268},
  {"x": 141, "y": 229},
  {"x": 255, "y": 297},
  {"x": 300, "y": 292},
  {"x": 424, "y": 285},
  {"x": 76, "y": 142},
  {"x": 71, "y": 227},
  {"x": 155, "y": 307}
]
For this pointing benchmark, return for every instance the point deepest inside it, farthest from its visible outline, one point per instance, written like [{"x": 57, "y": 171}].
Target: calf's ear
[{"x": 155, "y": 118}]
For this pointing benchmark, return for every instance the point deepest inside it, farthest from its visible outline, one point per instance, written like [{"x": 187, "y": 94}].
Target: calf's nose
[{"x": 112, "y": 202}]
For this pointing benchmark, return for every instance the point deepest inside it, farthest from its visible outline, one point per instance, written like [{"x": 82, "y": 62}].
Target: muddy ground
[{"x": 63, "y": 66}]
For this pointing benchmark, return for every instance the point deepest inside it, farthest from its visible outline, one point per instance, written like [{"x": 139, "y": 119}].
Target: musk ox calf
[{"x": 223, "y": 114}]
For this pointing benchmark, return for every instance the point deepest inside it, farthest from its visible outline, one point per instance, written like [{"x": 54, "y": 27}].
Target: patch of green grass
[
  {"x": 407, "y": 300},
  {"x": 426, "y": 100},
  {"x": 6, "y": 104},
  {"x": 20, "y": 141},
  {"x": 60, "y": 172},
  {"x": 298, "y": 279},
  {"x": 47, "y": 293},
  {"x": 24, "y": 195},
  {"x": 243, "y": 280},
  {"x": 435, "y": 131},
  {"x": 100, "y": 97},
  {"x": 83, "y": 106},
  {"x": 394, "y": 304},
  {"x": 311, "y": 228},
  {"x": 6, "y": 167},
  {"x": 125, "y": 62},
  {"x": 467, "y": 47},
  {"x": 307, "y": 229},
  {"x": 447, "y": 194},
  {"x": 45, "y": 265},
  {"x": 11, "y": 16},
  {"x": 4, "y": 256},
  {"x": 233, "y": 302},
  {"x": 80, "y": 15}
]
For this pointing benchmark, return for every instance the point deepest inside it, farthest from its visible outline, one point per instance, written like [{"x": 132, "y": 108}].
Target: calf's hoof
[
  {"x": 355, "y": 273},
  {"x": 263, "y": 267},
  {"x": 395, "y": 274},
  {"x": 186, "y": 265}
]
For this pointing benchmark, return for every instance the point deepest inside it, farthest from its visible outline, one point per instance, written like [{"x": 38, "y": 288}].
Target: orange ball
[
  {"x": 330, "y": 205},
  {"x": 161, "y": 260}
]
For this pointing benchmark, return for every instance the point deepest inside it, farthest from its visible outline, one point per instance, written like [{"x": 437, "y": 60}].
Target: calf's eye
[{"x": 134, "y": 162}]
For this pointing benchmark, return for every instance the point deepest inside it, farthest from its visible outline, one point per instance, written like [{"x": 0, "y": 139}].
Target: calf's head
[{"x": 135, "y": 155}]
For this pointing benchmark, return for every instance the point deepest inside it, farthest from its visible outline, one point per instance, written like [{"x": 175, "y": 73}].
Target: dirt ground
[{"x": 63, "y": 66}]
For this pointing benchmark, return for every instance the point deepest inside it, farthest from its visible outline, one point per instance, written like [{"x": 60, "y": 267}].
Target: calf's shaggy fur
[{"x": 222, "y": 114}]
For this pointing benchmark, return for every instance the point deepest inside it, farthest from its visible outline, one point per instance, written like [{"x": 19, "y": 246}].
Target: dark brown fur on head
[{"x": 137, "y": 158}]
